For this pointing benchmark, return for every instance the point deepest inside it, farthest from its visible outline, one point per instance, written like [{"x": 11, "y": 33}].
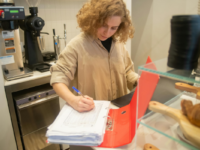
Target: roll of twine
[{"x": 184, "y": 49}]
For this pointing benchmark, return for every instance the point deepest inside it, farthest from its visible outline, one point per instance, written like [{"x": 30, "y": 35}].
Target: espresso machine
[
  {"x": 32, "y": 26},
  {"x": 10, "y": 48}
]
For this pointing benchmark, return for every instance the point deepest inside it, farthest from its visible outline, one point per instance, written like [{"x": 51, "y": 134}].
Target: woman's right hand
[
  {"x": 82, "y": 104},
  {"x": 79, "y": 103}
]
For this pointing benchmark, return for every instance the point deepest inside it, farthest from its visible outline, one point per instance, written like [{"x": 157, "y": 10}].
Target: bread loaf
[{"x": 191, "y": 111}]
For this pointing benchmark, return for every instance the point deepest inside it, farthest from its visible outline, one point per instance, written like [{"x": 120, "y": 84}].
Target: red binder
[
  {"x": 124, "y": 118},
  {"x": 149, "y": 64}
]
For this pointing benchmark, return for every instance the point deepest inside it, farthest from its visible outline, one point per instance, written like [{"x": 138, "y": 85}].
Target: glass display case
[{"x": 161, "y": 129}]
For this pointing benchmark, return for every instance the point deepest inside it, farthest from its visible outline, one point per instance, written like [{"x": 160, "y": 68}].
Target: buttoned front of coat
[{"x": 87, "y": 65}]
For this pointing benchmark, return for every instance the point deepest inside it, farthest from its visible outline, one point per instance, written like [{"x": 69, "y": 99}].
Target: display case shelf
[
  {"x": 165, "y": 125},
  {"x": 160, "y": 67},
  {"x": 158, "y": 129}
]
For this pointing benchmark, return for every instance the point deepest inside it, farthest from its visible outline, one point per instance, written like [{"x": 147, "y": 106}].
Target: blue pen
[{"x": 78, "y": 91}]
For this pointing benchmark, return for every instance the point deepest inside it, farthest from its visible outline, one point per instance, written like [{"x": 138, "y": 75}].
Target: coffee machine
[
  {"x": 32, "y": 26},
  {"x": 10, "y": 48}
]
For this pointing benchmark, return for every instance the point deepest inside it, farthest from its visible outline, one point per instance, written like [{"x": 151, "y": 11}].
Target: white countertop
[{"x": 36, "y": 75}]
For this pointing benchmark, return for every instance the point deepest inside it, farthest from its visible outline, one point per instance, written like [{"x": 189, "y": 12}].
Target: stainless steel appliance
[
  {"x": 10, "y": 48},
  {"x": 56, "y": 41},
  {"x": 36, "y": 109}
]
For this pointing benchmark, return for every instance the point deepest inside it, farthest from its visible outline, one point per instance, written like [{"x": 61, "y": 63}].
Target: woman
[{"x": 96, "y": 60}]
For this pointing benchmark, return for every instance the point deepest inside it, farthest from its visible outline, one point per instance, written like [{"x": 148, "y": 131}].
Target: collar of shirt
[{"x": 95, "y": 39}]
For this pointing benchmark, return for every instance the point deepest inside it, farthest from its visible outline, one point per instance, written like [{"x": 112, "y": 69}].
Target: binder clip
[{"x": 109, "y": 123}]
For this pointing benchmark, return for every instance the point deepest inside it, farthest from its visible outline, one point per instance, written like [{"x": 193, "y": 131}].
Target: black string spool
[{"x": 184, "y": 49}]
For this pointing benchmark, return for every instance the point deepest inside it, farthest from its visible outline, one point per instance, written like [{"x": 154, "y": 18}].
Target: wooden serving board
[
  {"x": 188, "y": 88},
  {"x": 149, "y": 146},
  {"x": 190, "y": 131}
]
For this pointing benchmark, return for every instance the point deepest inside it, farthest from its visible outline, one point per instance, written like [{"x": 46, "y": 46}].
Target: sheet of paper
[
  {"x": 74, "y": 128},
  {"x": 85, "y": 119},
  {"x": 70, "y": 121}
]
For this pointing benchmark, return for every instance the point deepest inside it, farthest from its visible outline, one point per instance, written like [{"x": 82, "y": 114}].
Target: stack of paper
[{"x": 74, "y": 128}]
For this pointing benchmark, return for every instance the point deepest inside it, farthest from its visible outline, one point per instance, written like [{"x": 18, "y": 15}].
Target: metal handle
[
  {"x": 56, "y": 40},
  {"x": 30, "y": 104},
  {"x": 65, "y": 34},
  {"x": 57, "y": 45},
  {"x": 54, "y": 33},
  {"x": 44, "y": 33}
]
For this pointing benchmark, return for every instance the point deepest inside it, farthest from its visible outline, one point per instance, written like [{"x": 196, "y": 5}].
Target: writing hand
[{"x": 83, "y": 104}]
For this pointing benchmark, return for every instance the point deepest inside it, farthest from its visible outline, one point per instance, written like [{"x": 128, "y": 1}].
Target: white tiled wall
[
  {"x": 56, "y": 13},
  {"x": 152, "y": 23}
]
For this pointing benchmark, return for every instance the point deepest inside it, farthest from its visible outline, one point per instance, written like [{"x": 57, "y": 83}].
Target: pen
[{"x": 78, "y": 91}]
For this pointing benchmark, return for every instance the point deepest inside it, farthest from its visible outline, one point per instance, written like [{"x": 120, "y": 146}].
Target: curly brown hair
[{"x": 94, "y": 13}]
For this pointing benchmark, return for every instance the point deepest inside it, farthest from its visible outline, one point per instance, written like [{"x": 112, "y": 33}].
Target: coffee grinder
[
  {"x": 32, "y": 25},
  {"x": 10, "y": 48}
]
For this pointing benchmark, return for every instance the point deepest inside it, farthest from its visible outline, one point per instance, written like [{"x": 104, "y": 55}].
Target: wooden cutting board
[{"x": 190, "y": 131}]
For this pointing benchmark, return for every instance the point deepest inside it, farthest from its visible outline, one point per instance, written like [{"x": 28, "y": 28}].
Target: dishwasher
[{"x": 36, "y": 109}]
